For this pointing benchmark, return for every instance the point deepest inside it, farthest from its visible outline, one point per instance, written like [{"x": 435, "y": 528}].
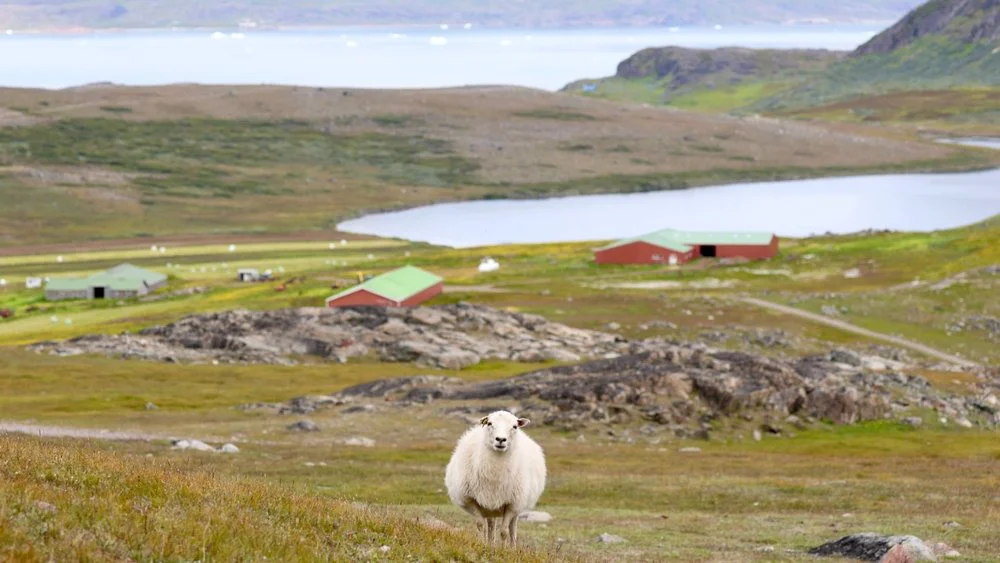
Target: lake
[
  {"x": 371, "y": 58},
  {"x": 908, "y": 202}
]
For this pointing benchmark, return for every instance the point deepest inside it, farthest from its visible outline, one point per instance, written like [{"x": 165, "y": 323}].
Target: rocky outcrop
[
  {"x": 450, "y": 336},
  {"x": 681, "y": 387}
]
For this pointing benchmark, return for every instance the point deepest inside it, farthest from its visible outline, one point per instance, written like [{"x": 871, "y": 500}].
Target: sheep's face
[{"x": 501, "y": 429}]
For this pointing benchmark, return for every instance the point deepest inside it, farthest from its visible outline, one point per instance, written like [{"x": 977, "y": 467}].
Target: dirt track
[{"x": 915, "y": 346}]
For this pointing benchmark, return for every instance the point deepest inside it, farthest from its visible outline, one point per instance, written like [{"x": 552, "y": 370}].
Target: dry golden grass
[{"x": 63, "y": 502}]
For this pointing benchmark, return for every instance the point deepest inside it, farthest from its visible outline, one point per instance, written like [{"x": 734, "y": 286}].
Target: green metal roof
[
  {"x": 681, "y": 241},
  {"x": 397, "y": 285},
  {"x": 124, "y": 277}
]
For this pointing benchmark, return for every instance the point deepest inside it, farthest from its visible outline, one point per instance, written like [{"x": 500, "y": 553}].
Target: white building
[
  {"x": 247, "y": 274},
  {"x": 33, "y": 283}
]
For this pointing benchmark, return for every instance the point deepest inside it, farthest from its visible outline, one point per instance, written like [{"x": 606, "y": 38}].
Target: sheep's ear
[
  {"x": 484, "y": 421},
  {"x": 522, "y": 422}
]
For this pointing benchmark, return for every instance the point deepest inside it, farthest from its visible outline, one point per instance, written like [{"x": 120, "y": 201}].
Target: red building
[
  {"x": 408, "y": 286},
  {"x": 677, "y": 247}
]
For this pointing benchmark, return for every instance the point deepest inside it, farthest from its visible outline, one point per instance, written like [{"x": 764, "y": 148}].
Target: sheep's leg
[
  {"x": 491, "y": 530},
  {"x": 508, "y": 528},
  {"x": 512, "y": 534}
]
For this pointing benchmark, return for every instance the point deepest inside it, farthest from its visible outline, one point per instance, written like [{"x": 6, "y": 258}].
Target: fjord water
[
  {"x": 909, "y": 202},
  {"x": 370, "y": 57}
]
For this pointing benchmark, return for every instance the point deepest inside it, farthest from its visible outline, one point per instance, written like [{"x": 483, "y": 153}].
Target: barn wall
[
  {"x": 120, "y": 294},
  {"x": 361, "y": 297},
  {"x": 429, "y": 293},
  {"x": 640, "y": 253},
  {"x": 55, "y": 295},
  {"x": 754, "y": 252}
]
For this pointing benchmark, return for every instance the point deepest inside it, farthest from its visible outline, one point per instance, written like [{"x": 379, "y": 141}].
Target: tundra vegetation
[{"x": 791, "y": 491}]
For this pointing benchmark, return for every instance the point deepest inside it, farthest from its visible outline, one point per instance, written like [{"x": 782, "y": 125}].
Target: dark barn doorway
[
  {"x": 708, "y": 251},
  {"x": 98, "y": 293}
]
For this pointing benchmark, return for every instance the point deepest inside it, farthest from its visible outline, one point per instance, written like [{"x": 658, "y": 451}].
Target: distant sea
[{"x": 371, "y": 58}]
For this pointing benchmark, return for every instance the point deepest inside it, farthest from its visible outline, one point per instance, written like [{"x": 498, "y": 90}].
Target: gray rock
[
  {"x": 304, "y": 426},
  {"x": 560, "y": 355},
  {"x": 535, "y": 516},
  {"x": 151, "y": 407},
  {"x": 610, "y": 538},
  {"x": 456, "y": 359},
  {"x": 845, "y": 356},
  {"x": 873, "y": 547},
  {"x": 690, "y": 450},
  {"x": 451, "y": 336},
  {"x": 229, "y": 449},
  {"x": 914, "y": 421},
  {"x": 360, "y": 442},
  {"x": 196, "y": 445}
]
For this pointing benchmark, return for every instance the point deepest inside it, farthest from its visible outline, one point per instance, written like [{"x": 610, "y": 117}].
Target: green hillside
[
  {"x": 943, "y": 44},
  {"x": 938, "y": 67}
]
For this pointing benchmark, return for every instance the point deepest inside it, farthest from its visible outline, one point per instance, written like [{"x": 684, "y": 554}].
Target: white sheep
[{"x": 496, "y": 472}]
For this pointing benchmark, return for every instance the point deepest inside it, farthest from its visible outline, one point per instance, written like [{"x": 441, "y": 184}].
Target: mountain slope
[
  {"x": 709, "y": 78},
  {"x": 20, "y": 14},
  {"x": 943, "y": 44}
]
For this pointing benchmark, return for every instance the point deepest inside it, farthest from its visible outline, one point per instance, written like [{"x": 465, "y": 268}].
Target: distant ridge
[{"x": 67, "y": 14}]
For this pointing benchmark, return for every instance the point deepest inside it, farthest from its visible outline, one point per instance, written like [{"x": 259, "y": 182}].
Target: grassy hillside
[
  {"x": 544, "y": 13},
  {"x": 935, "y": 69},
  {"x": 941, "y": 44},
  {"x": 706, "y": 79},
  {"x": 66, "y": 501},
  {"x": 111, "y": 163},
  {"x": 930, "y": 63}
]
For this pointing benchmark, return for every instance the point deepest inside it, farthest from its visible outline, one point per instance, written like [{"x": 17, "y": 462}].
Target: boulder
[
  {"x": 304, "y": 426},
  {"x": 876, "y": 547}
]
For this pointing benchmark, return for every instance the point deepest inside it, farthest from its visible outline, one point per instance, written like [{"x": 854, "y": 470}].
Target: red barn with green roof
[
  {"x": 677, "y": 247},
  {"x": 408, "y": 286}
]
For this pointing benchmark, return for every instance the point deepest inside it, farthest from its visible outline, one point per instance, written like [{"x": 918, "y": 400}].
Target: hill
[
  {"x": 120, "y": 162},
  {"x": 942, "y": 44},
  {"x": 935, "y": 69},
  {"x": 21, "y": 14},
  {"x": 706, "y": 78}
]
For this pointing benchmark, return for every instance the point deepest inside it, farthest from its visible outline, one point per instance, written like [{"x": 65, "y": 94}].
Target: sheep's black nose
[{"x": 501, "y": 440}]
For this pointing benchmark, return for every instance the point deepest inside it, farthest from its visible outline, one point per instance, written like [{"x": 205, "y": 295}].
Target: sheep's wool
[{"x": 514, "y": 478}]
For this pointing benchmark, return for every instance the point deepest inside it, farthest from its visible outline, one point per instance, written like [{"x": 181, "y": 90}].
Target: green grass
[
  {"x": 188, "y": 158},
  {"x": 728, "y": 98}
]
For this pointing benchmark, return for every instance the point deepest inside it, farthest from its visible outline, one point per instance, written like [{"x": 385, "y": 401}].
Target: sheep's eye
[{"x": 489, "y": 424}]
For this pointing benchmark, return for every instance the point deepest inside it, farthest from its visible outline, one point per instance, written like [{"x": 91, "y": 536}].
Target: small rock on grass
[
  {"x": 610, "y": 538},
  {"x": 360, "y": 442},
  {"x": 535, "y": 516},
  {"x": 229, "y": 449},
  {"x": 304, "y": 426}
]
